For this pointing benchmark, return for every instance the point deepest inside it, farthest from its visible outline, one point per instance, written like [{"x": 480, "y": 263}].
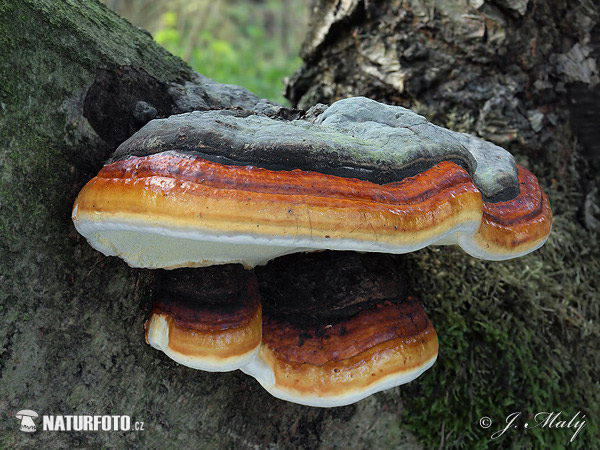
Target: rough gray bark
[
  {"x": 512, "y": 71},
  {"x": 76, "y": 80},
  {"x": 525, "y": 75}
]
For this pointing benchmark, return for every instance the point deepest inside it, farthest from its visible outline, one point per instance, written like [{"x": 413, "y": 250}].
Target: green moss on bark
[{"x": 515, "y": 336}]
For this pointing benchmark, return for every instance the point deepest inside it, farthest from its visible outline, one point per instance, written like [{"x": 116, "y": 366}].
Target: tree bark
[
  {"x": 76, "y": 80},
  {"x": 516, "y": 72},
  {"x": 523, "y": 74}
]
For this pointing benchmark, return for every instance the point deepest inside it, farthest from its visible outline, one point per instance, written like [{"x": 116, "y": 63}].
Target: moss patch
[{"x": 515, "y": 336}]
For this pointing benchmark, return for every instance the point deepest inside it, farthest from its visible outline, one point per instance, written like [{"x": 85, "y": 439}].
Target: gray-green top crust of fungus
[{"x": 355, "y": 138}]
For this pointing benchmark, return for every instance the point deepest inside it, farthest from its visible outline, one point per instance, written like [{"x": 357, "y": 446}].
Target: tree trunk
[
  {"x": 76, "y": 80},
  {"x": 509, "y": 70},
  {"x": 514, "y": 336}
]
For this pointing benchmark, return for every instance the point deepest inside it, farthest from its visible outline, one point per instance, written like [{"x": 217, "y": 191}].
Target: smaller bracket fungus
[
  {"x": 340, "y": 332},
  {"x": 209, "y": 320},
  {"x": 216, "y": 188},
  {"x": 326, "y": 340}
]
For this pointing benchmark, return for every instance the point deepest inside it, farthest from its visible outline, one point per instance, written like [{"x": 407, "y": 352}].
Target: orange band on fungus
[
  {"x": 195, "y": 193},
  {"x": 162, "y": 210},
  {"x": 391, "y": 341},
  {"x": 208, "y": 335},
  {"x": 216, "y": 344},
  {"x": 519, "y": 224}
]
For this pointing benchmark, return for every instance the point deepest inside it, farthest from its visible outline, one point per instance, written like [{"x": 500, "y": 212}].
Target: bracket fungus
[
  {"x": 233, "y": 188},
  {"x": 209, "y": 320}
]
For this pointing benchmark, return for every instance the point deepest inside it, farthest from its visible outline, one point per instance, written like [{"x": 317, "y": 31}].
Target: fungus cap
[{"x": 220, "y": 187}]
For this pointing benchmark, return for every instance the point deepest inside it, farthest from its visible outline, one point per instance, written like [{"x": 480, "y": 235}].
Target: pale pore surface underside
[{"x": 153, "y": 246}]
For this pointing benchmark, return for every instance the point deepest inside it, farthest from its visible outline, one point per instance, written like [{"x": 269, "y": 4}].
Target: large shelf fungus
[
  {"x": 222, "y": 187},
  {"x": 231, "y": 186}
]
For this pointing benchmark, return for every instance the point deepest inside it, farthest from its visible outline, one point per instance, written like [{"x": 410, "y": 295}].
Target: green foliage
[{"x": 240, "y": 47}]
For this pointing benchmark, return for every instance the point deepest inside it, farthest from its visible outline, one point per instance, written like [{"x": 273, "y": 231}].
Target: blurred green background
[{"x": 226, "y": 40}]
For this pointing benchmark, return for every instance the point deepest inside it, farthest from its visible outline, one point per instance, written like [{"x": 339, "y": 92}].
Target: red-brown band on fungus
[
  {"x": 170, "y": 210},
  {"x": 517, "y": 226},
  {"x": 377, "y": 349},
  {"x": 359, "y": 341},
  {"x": 206, "y": 319}
]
